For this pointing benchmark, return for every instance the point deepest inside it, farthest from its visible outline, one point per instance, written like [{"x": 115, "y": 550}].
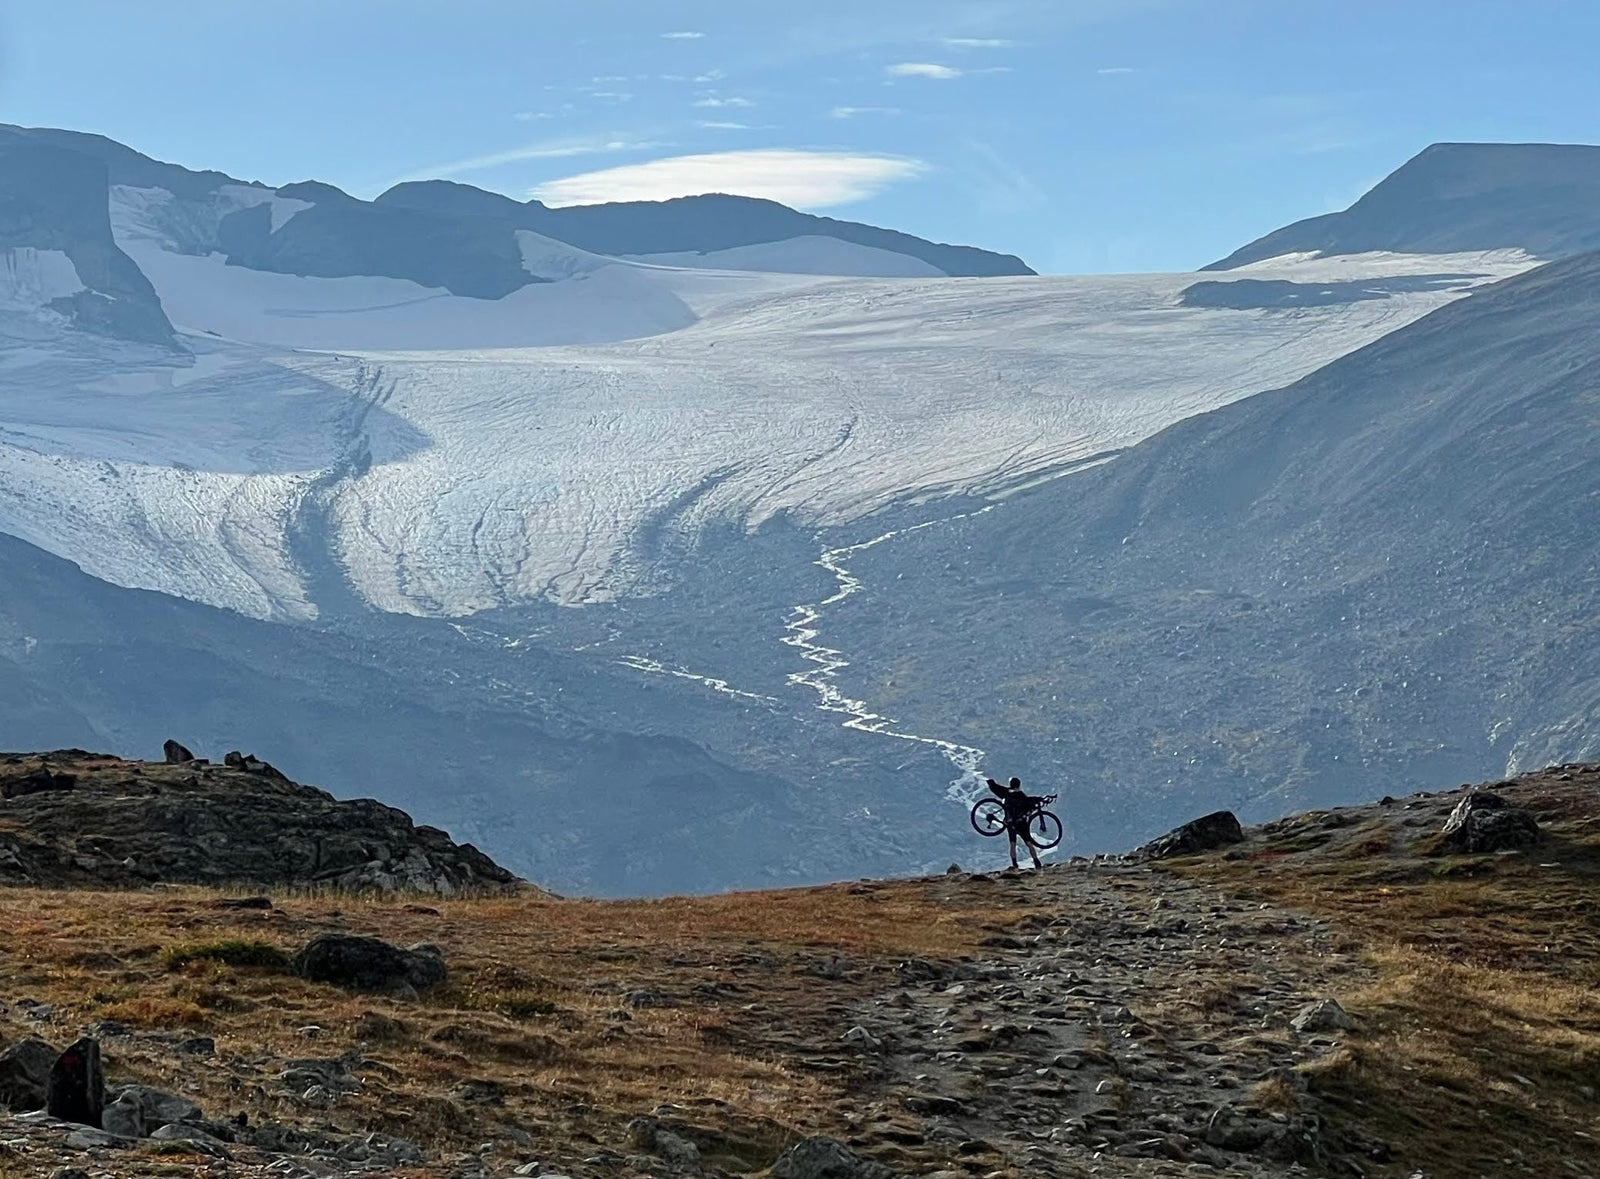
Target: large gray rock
[
  {"x": 1323, "y": 1016},
  {"x": 1218, "y": 829},
  {"x": 25, "y": 1074},
  {"x": 1486, "y": 822},
  {"x": 369, "y": 964},
  {"x": 826, "y": 1158},
  {"x": 138, "y": 1111}
]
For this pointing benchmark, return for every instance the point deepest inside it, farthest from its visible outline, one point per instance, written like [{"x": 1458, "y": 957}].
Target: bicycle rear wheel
[
  {"x": 989, "y": 816},
  {"x": 1045, "y": 830}
]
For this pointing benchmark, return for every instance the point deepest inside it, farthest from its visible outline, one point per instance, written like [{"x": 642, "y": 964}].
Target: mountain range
[{"x": 707, "y": 543}]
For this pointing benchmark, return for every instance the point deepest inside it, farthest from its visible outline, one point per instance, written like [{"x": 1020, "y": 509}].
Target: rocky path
[{"x": 1057, "y": 1055}]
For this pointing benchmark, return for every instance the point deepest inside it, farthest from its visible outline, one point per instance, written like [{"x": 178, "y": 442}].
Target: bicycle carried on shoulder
[{"x": 1044, "y": 829}]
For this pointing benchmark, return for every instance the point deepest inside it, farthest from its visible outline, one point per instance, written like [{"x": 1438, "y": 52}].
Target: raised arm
[{"x": 995, "y": 788}]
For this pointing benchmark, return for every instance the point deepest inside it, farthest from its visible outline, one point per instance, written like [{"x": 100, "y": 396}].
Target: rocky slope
[
  {"x": 77, "y": 819},
  {"x": 1338, "y": 993},
  {"x": 1384, "y": 572},
  {"x": 1537, "y": 197}
]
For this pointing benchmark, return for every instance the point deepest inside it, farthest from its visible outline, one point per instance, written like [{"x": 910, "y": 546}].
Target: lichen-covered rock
[
  {"x": 1323, "y": 1016},
  {"x": 1218, "y": 829},
  {"x": 1485, "y": 822}
]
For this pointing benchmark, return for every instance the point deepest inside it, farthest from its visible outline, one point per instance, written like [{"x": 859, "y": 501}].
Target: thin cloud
[
  {"x": 683, "y": 36},
  {"x": 714, "y": 125},
  {"x": 531, "y": 116},
  {"x": 923, "y": 69},
  {"x": 979, "y": 43},
  {"x": 850, "y": 112},
  {"x": 715, "y": 101},
  {"x": 550, "y": 150},
  {"x": 805, "y": 179},
  {"x": 1116, "y": 70}
]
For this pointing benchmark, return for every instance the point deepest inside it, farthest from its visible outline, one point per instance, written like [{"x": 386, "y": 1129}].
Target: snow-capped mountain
[
  {"x": 591, "y": 491},
  {"x": 713, "y": 228}
]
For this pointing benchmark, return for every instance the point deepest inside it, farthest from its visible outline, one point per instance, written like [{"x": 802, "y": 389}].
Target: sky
[{"x": 1083, "y": 135}]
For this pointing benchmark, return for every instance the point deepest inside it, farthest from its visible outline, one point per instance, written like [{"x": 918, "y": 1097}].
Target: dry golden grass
[
  {"x": 536, "y": 1002},
  {"x": 1477, "y": 1049}
]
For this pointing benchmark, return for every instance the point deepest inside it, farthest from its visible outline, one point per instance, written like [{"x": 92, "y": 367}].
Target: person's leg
[
  {"x": 1011, "y": 838},
  {"x": 1033, "y": 851}
]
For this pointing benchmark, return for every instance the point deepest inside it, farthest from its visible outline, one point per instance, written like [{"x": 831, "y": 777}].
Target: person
[{"x": 1019, "y": 808}]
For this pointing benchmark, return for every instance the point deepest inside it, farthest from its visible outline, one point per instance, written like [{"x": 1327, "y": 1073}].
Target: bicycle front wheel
[
  {"x": 1045, "y": 830},
  {"x": 989, "y": 817}
]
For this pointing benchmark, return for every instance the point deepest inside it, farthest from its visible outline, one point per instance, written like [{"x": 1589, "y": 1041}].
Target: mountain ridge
[
  {"x": 691, "y": 224},
  {"x": 1538, "y": 197}
]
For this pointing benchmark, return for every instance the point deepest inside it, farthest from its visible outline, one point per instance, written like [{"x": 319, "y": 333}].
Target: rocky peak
[{"x": 78, "y": 818}]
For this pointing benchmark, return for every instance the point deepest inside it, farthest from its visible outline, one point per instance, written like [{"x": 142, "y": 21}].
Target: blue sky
[{"x": 1084, "y": 135}]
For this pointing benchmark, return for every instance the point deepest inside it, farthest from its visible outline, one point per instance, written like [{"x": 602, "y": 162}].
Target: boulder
[
  {"x": 1323, "y": 1016},
  {"x": 1218, "y": 829},
  {"x": 175, "y": 753},
  {"x": 369, "y": 964},
  {"x": 77, "y": 1090},
  {"x": 1486, "y": 822},
  {"x": 826, "y": 1158},
  {"x": 25, "y": 1074},
  {"x": 138, "y": 1111}
]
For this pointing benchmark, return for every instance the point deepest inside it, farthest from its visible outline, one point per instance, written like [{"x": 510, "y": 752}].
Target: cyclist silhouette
[{"x": 1019, "y": 808}]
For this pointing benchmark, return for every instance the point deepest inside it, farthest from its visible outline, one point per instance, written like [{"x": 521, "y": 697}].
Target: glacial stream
[{"x": 802, "y": 632}]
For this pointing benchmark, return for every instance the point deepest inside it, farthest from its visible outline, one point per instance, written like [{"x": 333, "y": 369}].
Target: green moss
[{"x": 230, "y": 952}]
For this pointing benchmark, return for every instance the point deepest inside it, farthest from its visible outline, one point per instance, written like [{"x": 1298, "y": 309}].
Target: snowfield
[{"x": 452, "y": 454}]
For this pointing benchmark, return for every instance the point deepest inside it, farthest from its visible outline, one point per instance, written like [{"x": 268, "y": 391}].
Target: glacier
[{"x": 455, "y": 454}]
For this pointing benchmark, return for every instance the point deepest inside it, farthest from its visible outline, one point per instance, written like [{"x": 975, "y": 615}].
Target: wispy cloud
[
  {"x": 850, "y": 112},
  {"x": 807, "y": 179},
  {"x": 686, "y": 35},
  {"x": 532, "y": 116},
  {"x": 922, "y": 69},
  {"x": 1116, "y": 70},
  {"x": 979, "y": 43},
  {"x": 549, "y": 150},
  {"x": 714, "y": 101},
  {"x": 717, "y": 125}
]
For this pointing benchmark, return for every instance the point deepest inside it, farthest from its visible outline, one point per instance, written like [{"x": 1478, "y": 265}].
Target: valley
[{"x": 671, "y": 557}]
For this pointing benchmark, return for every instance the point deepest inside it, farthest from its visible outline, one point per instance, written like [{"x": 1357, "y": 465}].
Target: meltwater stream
[{"x": 803, "y": 630}]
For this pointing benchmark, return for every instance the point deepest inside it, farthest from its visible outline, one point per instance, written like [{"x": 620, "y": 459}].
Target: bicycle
[{"x": 1044, "y": 829}]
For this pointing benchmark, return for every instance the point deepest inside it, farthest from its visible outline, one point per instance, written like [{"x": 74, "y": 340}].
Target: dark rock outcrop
[
  {"x": 175, "y": 753},
  {"x": 369, "y": 964},
  {"x": 251, "y": 764},
  {"x": 1218, "y": 829},
  {"x": 124, "y": 824},
  {"x": 55, "y": 199},
  {"x": 1486, "y": 822},
  {"x": 1539, "y": 197},
  {"x": 77, "y": 1086},
  {"x": 36, "y": 782}
]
